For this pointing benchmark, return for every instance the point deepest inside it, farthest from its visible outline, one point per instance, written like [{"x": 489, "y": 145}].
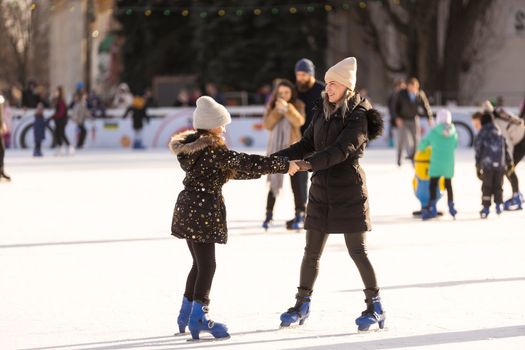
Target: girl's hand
[{"x": 293, "y": 168}]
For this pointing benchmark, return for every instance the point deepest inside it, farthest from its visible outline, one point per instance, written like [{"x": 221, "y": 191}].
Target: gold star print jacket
[{"x": 200, "y": 214}]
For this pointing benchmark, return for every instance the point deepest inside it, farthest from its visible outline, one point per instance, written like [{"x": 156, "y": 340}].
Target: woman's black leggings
[
  {"x": 299, "y": 187},
  {"x": 356, "y": 245},
  {"x": 517, "y": 156},
  {"x": 200, "y": 278},
  {"x": 60, "y": 131},
  {"x": 434, "y": 183}
]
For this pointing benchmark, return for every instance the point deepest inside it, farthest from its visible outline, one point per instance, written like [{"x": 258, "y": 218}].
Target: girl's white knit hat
[
  {"x": 209, "y": 114},
  {"x": 444, "y": 116},
  {"x": 344, "y": 72}
]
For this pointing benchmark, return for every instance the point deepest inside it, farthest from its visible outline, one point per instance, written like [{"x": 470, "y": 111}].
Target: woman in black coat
[{"x": 338, "y": 200}]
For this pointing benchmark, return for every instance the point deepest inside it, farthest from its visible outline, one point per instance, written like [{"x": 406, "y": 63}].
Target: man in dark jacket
[
  {"x": 391, "y": 104},
  {"x": 408, "y": 104},
  {"x": 309, "y": 91}
]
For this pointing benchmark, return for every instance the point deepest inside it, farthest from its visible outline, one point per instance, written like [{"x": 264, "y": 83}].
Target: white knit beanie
[
  {"x": 210, "y": 114},
  {"x": 444, "y": 116},
  {"x": 486, "y": 106},
  {"x": 343, "y": 72}
]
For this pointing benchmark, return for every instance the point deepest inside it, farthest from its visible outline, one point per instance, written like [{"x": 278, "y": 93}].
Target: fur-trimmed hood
[{"x": 182, "y": 142}]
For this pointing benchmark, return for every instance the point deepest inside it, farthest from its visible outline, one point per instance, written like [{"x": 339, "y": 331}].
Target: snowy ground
[{"x": 87, "y": 262}]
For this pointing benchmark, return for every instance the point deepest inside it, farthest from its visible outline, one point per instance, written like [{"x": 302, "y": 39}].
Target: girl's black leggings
[
  {"x": 356, "y": 245},
  {"x": 200, "y": 278},
  {"x": 434, "y": 183}
]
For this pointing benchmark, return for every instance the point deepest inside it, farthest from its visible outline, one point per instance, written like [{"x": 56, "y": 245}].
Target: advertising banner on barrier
[{"x": 245, "y": 131}]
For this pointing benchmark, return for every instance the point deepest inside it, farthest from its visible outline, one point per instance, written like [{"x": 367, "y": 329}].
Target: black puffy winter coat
[
  {"x": 338, "y": 198},
  {"x": 200, "y": 214}
]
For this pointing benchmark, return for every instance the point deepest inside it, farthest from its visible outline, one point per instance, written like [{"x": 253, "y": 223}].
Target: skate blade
[
  {"x": 181, "y": 334},
  {"x": 375, "y": 330},
  {"x": 207, "y": 340}
]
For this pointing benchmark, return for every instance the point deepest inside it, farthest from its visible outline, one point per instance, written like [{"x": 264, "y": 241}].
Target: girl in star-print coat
[{"x": 200, "y": 215}]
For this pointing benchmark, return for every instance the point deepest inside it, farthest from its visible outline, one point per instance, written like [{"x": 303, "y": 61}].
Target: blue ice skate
[
  {"x": 429, "y": 212},
  {"x": 297, "y": 223},
  {"x": 373, "y": 314},
  {"x": 452, "y": 210},
  {"x": 199, "y": 322},
  {"x": 184, "y": 314},
  {"x": 484, "y": 213},
  {"x": 514, "y": 203},
  {"x": 266, "y": 223},
  {"x": 298, "y": 313}
]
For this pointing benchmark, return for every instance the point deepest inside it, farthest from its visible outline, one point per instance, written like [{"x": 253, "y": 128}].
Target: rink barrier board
[{"x": 245, "y": 131}]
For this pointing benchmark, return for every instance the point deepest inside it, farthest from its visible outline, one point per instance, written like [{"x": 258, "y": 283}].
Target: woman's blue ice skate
[
  {"x": 199, "y": 322},
  {"x": 373, "y": 314},
  {"x": 515, "y": 203},
  {"x": 298, "y": 313}
]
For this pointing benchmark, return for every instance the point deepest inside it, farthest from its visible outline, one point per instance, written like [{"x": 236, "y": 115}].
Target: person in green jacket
[{"x": 443, "y": 139}]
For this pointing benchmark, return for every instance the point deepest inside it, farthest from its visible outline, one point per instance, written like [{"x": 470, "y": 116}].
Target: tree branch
[{"x": 373, "y": 34}]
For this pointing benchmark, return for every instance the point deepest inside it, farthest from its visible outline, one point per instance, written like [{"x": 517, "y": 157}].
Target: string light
[
  {"x": 203, "y": 11},
  {"x": 33, "y": 6}
]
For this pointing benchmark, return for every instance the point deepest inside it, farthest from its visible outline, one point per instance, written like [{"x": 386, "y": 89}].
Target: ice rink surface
[{"x": 87, "y": 262}]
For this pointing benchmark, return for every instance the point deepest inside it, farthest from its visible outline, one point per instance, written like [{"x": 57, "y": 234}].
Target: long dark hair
[{"x": 288, "y": 84}]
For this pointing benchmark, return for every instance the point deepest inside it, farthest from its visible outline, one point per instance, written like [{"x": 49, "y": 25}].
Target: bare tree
[
  {"x": 16, "y": 33},
  {"x": 435, "y": 38}
]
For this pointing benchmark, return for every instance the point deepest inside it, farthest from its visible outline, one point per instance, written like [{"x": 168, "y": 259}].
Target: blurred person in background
[
  {"x": 80, "y": 113},
  {"x": 39, "y": 130},
  {"x": 213, "y": 92},
  {"x": 309, "y": 92},
  {"x": 3, "y": 129},
  {"x": 410, "y": 102},
  {"x": 391, "y": 104},
  {"x": 123, "y": 97},
  {"x": 183, "y": 99},
  {"x": 138, "y": 115},
  {"x": 60, "y": 118},
  {"x": 284, "y": 117}
]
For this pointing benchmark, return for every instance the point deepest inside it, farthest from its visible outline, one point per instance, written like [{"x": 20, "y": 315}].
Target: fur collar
[{"x": 177, "y": 145}]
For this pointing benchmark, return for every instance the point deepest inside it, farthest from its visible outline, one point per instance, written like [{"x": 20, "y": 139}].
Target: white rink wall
[{"x": 245, "y": 130}]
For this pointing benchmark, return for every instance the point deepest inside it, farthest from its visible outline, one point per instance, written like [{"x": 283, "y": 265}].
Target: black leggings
[
  {"x": 517, "y": 156},
  {"x": 60, "y": 131},
  {"x": 356, "y": 245},
  {"x": 82, "y": 132},
  {"x": 434, "y": 183},
  {"x": 2, "y": 152},
  {"x": 200, "y": 278},
  {"x": 299, "y": 187}
]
